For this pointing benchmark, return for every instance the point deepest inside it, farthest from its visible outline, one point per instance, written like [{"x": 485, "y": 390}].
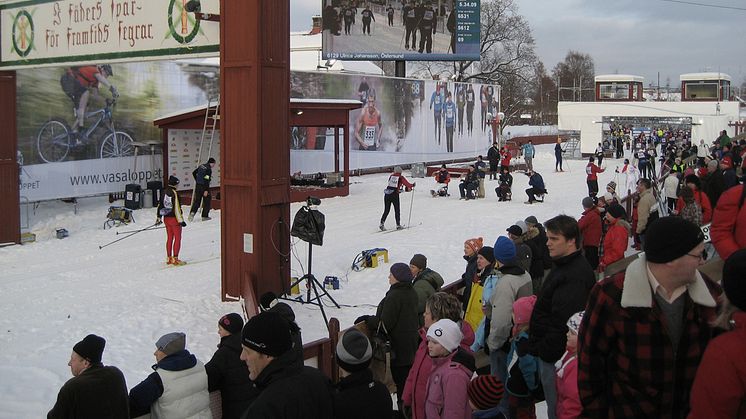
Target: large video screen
[{"x": 413, "y": 30}]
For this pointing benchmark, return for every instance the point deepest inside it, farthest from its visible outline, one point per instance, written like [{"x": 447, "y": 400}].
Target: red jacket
[
  {"x": 728, "y": 230},
  {"x": 506, "y": 156},
  {"x": 704, "y": 203},
  {"x": 719, "y": 389},
  {"x": 615, "y": 244},
  {"x": 415, "y": 388},
  {"x": 590, "y": 225},
  {"x": 395, "y": 183},
  {"x": 592, "y": 171}
]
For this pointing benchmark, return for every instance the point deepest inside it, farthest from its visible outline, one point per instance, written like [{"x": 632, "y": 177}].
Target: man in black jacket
[
  {"x": 202, "y": 178},
  {"x": 493, "y": 157},
  {"x": 227, "y": 373},
  {"x": 358, "y": 395},
  {"x": 286, "y": 389},
  {"x": 563, "y": 294},
  {"x": 95, "y": 391}
]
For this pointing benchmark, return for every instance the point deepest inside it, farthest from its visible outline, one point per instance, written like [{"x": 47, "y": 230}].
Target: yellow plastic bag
[{"x": 474, "y": 313}]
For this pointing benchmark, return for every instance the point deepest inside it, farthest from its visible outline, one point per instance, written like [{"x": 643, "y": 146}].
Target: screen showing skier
[{"x": 414, "y": 30}]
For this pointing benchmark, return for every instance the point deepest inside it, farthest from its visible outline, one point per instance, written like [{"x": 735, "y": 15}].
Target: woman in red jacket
[
  {"x": 719, "y": 390},
  {"x": 728, "y": 228},
  {"x": 700, "y": 197},
  {"x": 616, "y": 239}
]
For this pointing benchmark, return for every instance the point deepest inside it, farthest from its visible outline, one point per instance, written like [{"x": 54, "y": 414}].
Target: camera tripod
[{"x": 312, "y": 284}]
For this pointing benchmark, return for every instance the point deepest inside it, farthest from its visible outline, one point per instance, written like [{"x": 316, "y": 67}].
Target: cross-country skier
[
  {"x": 348, "y": 18},
  {"x": 169, "y": 209},
  {"x": 390, "y": 14},
  {"x": 369, "y": 127},
  {"x": 436, "y": 104},
  {"x": 411, "y": 19},
  {"x": 449, "y": 108},
  {"x": 470, "y": 100},
  {"x": 460, "y": 103},
  {"x": 391, "y": 197},
  {"x": 367, "y": 15},
  {"x": 427, "y": 28}
]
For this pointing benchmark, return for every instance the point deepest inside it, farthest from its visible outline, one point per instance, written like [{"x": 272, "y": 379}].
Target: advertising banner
[
  {"x": 46, "y": 32},
  {"x": 61, "y": 158},
  {"x": 401, "y": 121},
  {"x": 73, "y": 179}
]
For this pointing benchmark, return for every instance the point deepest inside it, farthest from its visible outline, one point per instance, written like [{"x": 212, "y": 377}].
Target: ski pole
[
  {"x": 125, "y": 237},
  {"x": 153, "y": 227},
  {"x": 409, "y": 219}
]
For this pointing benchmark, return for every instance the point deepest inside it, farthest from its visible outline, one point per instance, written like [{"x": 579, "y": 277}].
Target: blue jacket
[
  {"x": 523, "y": 372},
  {"x": 450, "y": 110},
  {"x": 536, "y": 181},
  {"x": 528, "y": 150},
  {"x": 436, "y": 102}
]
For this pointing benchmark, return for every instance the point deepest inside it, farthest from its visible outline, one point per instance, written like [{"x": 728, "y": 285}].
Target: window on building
[
  {"x": 701, "y": 90},
  {"x": 614, "y": 91}
]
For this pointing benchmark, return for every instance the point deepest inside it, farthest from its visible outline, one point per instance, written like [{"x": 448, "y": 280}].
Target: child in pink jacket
[
  {"x": 452, "y": 371},
  {"x": 568, "y": 400}
]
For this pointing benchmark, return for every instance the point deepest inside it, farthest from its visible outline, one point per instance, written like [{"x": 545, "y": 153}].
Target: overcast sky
[{"x": 640, "y": 37}]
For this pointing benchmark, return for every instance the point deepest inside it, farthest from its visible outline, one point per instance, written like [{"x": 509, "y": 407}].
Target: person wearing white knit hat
[{"x": 452, "y": 370}]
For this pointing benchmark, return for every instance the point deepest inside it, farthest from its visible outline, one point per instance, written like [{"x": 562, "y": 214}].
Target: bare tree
[
  {"x": 575, "y": 77},
  {"x": 544, "y": 96}
]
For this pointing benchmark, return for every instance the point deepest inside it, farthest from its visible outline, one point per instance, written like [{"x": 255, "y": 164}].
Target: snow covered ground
[{"x": 54, "y": 292}]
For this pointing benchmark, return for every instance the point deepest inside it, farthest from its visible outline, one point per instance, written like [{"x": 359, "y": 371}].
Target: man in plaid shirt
[{"x": 645, "y": 329}]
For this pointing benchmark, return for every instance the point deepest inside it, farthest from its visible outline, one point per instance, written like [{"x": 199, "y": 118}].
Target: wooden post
[
  {"x": 10, "y": 228},
  {"x": 255, "y": 156}
]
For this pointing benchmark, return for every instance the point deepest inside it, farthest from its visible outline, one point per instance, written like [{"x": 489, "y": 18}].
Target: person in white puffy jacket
[
  {"x": 671, "y": 190},
  {"x": 177, "y": 388}
]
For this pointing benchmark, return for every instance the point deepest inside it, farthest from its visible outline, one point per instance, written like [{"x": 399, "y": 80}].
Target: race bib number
[
  {"x": 437, "y": 100},
  {"x": 588, "y": 170},
  {"x": 429, "y": 14},
  {"x": 410, "y": 14},
  {"x": 370, "y": 136},
  {"x": 706, "y": 231},
  {"x": 393, "y": 181},
  {"x": 449, "y": 113}
]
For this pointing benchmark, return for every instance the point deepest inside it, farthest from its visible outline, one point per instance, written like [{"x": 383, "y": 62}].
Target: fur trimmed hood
[{"x": 636, "y": 290}]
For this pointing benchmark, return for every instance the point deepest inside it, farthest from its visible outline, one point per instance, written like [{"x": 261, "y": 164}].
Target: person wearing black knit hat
[
  {"x": 226, "y": 372},
  {"x": 95, "y": 390},
  {"x": 202, "y": 177},
  {"x": 359, "y": 395},
  {"x": 426, "y": 282},
  {"x": 169, "y": 212},
  {"x": 715, "y": 393},
  {"x": 266, "y": 341},
  {"x": 661, "y": 307},
  {"x": 397, "y": 316},
  {"x": 270, "y": 302}
]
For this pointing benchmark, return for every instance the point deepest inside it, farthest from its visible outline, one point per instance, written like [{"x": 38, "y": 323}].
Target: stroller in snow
[{"x": 442, "y": 177}]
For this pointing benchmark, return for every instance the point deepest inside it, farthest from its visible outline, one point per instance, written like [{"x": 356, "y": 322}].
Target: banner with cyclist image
[
  {"x": 79, "y": 127},
  {"x": 401, "y": 121}
]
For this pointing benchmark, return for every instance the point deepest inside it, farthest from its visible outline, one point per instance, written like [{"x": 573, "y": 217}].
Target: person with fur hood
[
  {"x": 616, "y": 239},
  {"x": 439, "y": 306}
]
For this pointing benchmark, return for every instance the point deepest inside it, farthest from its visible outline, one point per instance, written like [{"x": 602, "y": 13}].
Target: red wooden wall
[
  {"x": 10, "y": 231},
  {"x": 255, "y": 90}
]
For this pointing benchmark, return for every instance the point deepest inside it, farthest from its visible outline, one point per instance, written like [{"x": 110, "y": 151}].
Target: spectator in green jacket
[{"x": 426, "y": 282}]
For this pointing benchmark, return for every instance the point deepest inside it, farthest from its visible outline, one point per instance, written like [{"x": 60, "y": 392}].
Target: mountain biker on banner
[{"x": 78, "y": 82}]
